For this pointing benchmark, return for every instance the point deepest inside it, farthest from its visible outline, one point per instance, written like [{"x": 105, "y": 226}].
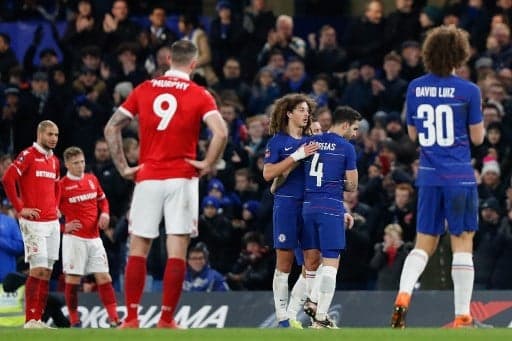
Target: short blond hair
[{"x": 390, "y": 228}]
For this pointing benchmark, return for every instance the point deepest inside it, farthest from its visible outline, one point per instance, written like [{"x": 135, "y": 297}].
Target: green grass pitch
[{"x": 249, "y": 334}]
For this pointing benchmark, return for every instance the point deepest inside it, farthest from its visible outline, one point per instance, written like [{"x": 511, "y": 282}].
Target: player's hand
[
  {"x": 203, "y": 166},
  {"x": 129, "y": 172},
  {"x": 104, "y": 221},
  {"x": 72, "y": 226},
  {"x": 304, "y": 151},
  {"x": 349, "y": 221},
  {"x": 30, "y": 213}
]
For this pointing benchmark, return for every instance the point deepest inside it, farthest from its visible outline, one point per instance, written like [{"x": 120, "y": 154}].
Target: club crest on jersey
[
  {"x": 91, "y": 184},
  {"x": 267, "y": 153},
  {"x": 282, "y": 238}
]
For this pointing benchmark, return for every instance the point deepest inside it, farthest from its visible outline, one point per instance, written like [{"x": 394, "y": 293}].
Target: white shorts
[
  {"x": 83, "y": 256},
  {"x": 42, "y": 241},
  {"x": 177, "y": 200}
]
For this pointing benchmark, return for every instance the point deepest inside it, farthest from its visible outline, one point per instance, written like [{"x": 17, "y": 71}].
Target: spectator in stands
[
  {"x": 496, "y": 146},
  {"x": 490, "y": 185},
  {"x": 7, "y": 57},
  {"x": 159, "y": 34},
  {"x": 257, "y": 21},
  {"x": 277, "y": 64},
  {"x": 389, "y": 258},
  {"x": 236, "y": 126},
  {"x": 499, "y": 46},
  {"x": 114, "y": 186},
  {"x": 229, "y": 201},
  {"x": 11, "y": 242},
  {"x": 402, "y": 24},
  {"x": 405, "y": 149},
  {"x": 402, "y": 212},
  {"x": 486, "y": 243},
  {"x": 35, "y": 104},
  {"x": 412, "y": 66},
  {"x": 188, "y": 25},
  {"x": 501, "y": 278},
  {"x": 216, "y": 231},
  {"x": 254, "y": 268},
  {"x": 200, "y": 277},
  {"x": 232, "y": 81},
  {"x": 321, "y": 92},
  {"x": 117, "y": 27},
  {"x": 9, "y": 111},
  {"x": 257, "y": 139},
  {"x": 324, "y": 116},
  {"x": 326, "y": 56},
  {"x": 226, "y": 36},
  {"x": 245, "y": 188},
  {"x": 83, "y": 30},
  {"x": 282, "y": 38},
  {"x": 127, "y": 69},
  {"x": 359, "y": 94},
  {"x": 295, "y": 78},
  {"x": 264, "y": 92},
  {"x": 390, "y": 90},
  {"x": 364, "y": 38}
]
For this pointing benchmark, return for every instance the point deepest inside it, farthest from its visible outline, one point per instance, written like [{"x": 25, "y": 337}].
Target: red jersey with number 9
[{"x": 170, "y": 110}]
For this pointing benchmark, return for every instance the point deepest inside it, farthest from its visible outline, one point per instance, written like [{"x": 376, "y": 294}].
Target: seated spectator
[
  {"x": 490, "y": 185},
  {"x": 216, "y": 231},
  {"x": 389, "y": 258},
  {"x": 295, "y": 78},
  {"x": 412, "y": 66},
  {"x": 257, "y": 140},
  {"x": 321, "y": 93},
  {"x": 264, "y": 92},
  {"x": 326, "y": 56},
  {"x": 390, "y": 90},
  {"x": 117, "y": 27},
  {"x": 232, "y": 81},
  {"x": 200, "y": 277},
  {"x": 254, "y": 268}
]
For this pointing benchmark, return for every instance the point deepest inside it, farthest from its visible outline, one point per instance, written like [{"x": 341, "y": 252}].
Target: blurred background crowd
[{"x": 84, "y": 57}]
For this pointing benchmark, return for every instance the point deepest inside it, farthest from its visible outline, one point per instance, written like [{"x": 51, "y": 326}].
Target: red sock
[
  {"x": 108, "y": 298},
  {"x": 173, "y": 285},
  {"x": 31, "y": 299},
  {"x": 134, "y": 279},
  {"x": 71, "y": 295},
  {"x": 44, "y": 286}
]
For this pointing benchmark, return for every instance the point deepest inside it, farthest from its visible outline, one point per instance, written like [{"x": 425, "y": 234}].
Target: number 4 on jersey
[
  {"x": 170, "y": 103},
  {"x": 317, "y": 169}
]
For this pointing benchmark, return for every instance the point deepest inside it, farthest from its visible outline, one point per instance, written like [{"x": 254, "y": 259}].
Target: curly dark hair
[
  {"x": 445, "y": 48},
  {"x": 279, "y": 118}
]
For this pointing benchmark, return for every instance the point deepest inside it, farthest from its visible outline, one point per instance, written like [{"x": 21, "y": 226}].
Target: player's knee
[
  {"x": 328, "y": 279},
  {"x": 102, "y": 278}
]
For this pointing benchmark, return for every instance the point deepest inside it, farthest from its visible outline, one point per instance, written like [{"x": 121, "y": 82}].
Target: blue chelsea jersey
[
  {"x": 325, "y": 170},
  {"x": 441, "y": 109},
  {"x": 279, "y": 147}
]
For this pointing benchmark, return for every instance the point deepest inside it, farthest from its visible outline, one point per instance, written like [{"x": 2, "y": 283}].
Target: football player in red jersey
[
  {"x": 170, "y": 111},
  {"x": 85, "y": 209},
  {"x": 36, "y": 173}
]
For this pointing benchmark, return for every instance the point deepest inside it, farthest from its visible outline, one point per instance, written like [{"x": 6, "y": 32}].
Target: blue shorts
[
  {"x": 287, "y": 219},
  {"x": 457, "y": 204},
  {"x": 323, "y": 231}
]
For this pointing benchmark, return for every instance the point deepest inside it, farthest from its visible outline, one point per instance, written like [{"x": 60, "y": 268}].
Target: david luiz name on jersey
[{"x": 433, "y": 91}]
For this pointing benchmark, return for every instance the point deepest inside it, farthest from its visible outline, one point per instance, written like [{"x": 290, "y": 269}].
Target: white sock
[
  {"x": 297, "y": 298},
  {"x": 463, "y": 275},
  {"x": 280, "y": 287},
  {"x": 326, "y": 291},
  {"x": 310, "y": 280},
  {"x": 315, "y": 285},
  {"x": 413, "y": 267}
]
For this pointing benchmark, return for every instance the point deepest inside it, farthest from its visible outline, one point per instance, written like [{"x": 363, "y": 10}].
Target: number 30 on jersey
[{"x": 438, "y": 123}]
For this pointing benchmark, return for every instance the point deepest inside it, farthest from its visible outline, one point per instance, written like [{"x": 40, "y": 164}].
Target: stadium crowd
[{"x": 248, "y": 57}]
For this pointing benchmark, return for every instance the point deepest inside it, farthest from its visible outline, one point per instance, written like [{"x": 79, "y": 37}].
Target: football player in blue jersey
[
  {"x": 330, "y": 171},
  {"x": 290, "y": 124},
  {"x": 444, "y": 116}
]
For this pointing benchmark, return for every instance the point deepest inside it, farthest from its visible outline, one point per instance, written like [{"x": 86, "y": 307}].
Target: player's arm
[
  {"x": 103, "y": 206},
  {"x": 217, "y": 126},
  {"x": 274, "y": 170},
  {"x": 281, "y": 179},
  {"x": 9, "y": 180},
  {"x": 477, "y": 133},
  {"x": 351, "y": 180},
  {"x": 413, "y": 133},
  {"x": 114, "y": 139}
]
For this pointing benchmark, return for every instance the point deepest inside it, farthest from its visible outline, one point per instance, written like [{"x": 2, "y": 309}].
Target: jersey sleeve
[
  {"x": 408, "y": 106},
  {"x": 23, "y": 162},
  {"x": 272, "y": 151},
  {"x": 208, "y": 105},
  {"x": 103, "y": 204},
  {"x": 350, "y": 160},
  {"x": 475, "y": 106},
  {"x": 130, "y": 106}
]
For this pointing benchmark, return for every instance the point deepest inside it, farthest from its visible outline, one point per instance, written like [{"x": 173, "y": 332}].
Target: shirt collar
[
  {"x": 72, "y": 177},
  {"x": 41, "y": 150},
  {"x": 177, "y": 73}
]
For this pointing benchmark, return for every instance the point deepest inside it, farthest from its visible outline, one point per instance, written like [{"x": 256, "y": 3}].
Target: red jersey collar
[
  {"x": 72, "y": 177},
  {"x": 41, "y": 150},
  {"x": 177, "y": 73}
]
